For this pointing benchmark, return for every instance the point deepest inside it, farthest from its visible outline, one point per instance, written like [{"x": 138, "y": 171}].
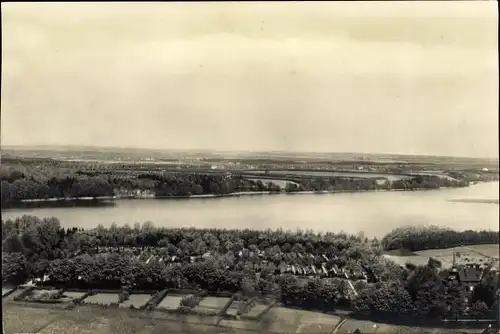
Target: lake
[{"x": 374, "y": 213}]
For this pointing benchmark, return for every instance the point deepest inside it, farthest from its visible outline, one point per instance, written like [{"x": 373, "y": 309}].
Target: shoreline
[{"x": 235, "y": 194}]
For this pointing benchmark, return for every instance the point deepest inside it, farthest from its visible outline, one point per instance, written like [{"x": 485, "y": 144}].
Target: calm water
[{"x": 373, "y": 213}]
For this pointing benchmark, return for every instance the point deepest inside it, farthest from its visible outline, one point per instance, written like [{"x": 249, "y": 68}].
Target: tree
[
  {"x": 479, "y": 310},
  {"x": 390, "y": 297},
  {"x": 14, "y": 268},
  {"x": 455, "y": 300}
]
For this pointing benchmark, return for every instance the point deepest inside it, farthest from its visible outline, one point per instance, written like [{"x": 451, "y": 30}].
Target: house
[
  {"x": 325, "y": 272},
  {"x": 470, "y": 277},
  {"x": 299, "y": 270},
  {"x": 313, "y": 268},
  {"x": 282, "y": 268},
  {"x": 305, "y": 270},
  {"x": 335, "y": 270}
]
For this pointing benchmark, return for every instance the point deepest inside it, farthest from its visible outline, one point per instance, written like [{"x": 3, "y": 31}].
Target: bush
[{"x": 190, "y": 301}]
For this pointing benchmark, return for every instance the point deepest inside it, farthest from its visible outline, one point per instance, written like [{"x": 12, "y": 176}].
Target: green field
[{"x": 364, "y": 175}]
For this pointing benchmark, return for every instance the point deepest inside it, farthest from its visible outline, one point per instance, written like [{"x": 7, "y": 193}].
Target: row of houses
[
  {"x": 323, "y": 270},
  {"x": 289, "y": 256},
  {"x": 319, "y": 266}
]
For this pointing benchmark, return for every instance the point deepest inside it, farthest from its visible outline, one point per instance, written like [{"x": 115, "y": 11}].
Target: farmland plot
[
  {"x": 211, "y": 304},
  {"x": 391, "y": 177},
  {"x": 102, "y": 299},
  {"x": 171, "y": 302},
  {"x": 136, "y": 300}
]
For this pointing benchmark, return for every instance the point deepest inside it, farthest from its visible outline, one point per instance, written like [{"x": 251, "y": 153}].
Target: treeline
[
  {"x": 367, "y": 184},
  {"x": 17, "y": 186},
  {"x": 270, "y": 245},
  {"x": 421, "y": 238},
  {"x": 34, "y": 247},
  {"x": 428, "y": 182},
  {"x": 46, "y": 181}
]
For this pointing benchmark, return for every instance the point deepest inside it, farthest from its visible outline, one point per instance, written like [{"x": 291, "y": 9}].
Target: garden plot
[
  {"x": 281, "y": 319},
  {"x": 171, "y": 302},
  {"x": 70, "y": 295},
  {"x": 316, "y": 322},
  {"x": 39, "y": 295},
  {"x": 6, "y": 291},
  {"x": 256, "y": 310},
  {"x": 235, "y": 306},
  {"x": 136, "y": 300},
  {"x": 102, "y": 299},
  {"x": 16, "y": 293},
  {"x": 211, "y": 304}
]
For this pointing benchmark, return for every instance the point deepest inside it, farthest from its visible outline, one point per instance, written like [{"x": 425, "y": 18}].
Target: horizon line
[{"x": 76, "y": 146}]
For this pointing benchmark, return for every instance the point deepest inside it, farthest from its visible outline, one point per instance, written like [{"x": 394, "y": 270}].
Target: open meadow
[
  {"x": 391, "y": 177},
  {"x": 464, "y": 254}
]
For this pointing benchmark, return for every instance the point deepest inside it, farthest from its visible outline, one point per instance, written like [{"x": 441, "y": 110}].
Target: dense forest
[
  {"x": 148, "y": 258},
  {"x": 416, "y": 238},
  {"x": 44, "y": 181}
]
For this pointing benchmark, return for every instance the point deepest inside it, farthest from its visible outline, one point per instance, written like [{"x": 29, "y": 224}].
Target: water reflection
[{"x": 90, "y": 203}]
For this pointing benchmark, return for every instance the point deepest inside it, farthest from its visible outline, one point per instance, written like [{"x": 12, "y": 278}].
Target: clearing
[
  {"x": 391, "y": 177},
  {"x": 464, "y": 254},
  {"x": 281, "y": 183}
]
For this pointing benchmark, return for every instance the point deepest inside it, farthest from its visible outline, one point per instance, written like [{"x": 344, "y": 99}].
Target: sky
[{"x": 374, "y": 77}]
